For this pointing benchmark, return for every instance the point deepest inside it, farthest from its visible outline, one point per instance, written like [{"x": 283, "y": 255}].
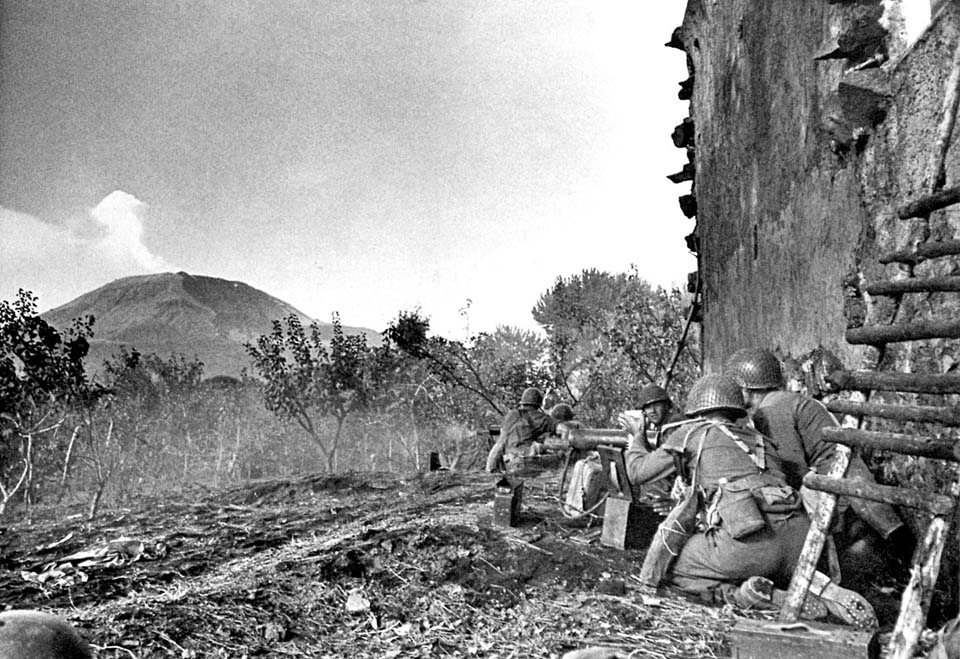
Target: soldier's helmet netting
[
  {"x": 714, "y": 392},
  {"x": 754, "y": 368},
  {"x": 531, "y": 396}
]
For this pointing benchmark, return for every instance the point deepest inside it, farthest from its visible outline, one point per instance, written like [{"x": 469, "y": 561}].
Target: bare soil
[{"x": 350, "y": 565}]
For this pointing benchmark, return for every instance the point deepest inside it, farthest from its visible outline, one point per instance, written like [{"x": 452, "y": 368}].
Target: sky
[{"x": 364, "y": 157}]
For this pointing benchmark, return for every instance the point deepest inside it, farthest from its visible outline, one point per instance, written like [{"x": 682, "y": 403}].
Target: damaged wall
[{"x": 801, "y": 160}]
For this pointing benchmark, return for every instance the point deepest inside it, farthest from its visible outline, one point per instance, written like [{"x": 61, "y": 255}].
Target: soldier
[
  {"x": 794, "y": 422},
  {"x": 36, "y": 635},
  {"x": 522, "y": 431},
  {"x": 660, "y": 417},
  {"x": 753, "y": 527}
]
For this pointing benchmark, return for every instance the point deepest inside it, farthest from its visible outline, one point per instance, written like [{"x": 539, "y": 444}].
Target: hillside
[{"x": 173, "y": 313}]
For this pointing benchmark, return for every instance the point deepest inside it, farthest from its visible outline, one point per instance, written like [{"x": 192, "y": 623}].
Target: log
[
  {"x": 918, "y": 383},
  {"x": 922, "y": 252},
  {"x": 899, "y": 286},
  {"x": 915, "y": 602},
  {"x": 925, "y": 205},
  {"x": 947, "y": 416},
  {"x": 928, "y": 447},
  {"x": 813, "y": 545},
  {"x": 937, "y": 504},
  {"x": 924, "y": 329}
]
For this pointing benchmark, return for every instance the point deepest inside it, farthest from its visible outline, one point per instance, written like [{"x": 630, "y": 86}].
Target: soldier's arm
[
  {"x": 645, "y": 467},
  {"x": 496, "y": 453},
  {"x": 812, "y": 418}
]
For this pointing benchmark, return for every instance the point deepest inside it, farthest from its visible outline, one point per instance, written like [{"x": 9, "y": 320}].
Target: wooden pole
[
  {"x": 813, "y": 546},
  {"x": 929, "y": 447},
  {"x": 923, "y": 577},
  {"x": 948, "y": 416},
  {"x": 900, "y": 286},
  {"x": 922, "y": 329},
  {"x": 927, "y": 204},
  {"x": 923, "y": 251},
  {"x": 938, "y": 504},
  {"x": 919, "y": 383}
]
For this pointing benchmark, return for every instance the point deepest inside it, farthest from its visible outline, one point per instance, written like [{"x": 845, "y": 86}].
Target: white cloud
[{"x": 59, "y": 262}]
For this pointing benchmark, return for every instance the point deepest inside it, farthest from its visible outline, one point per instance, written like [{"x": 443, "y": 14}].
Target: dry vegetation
[{"x": 358, "y": 565}]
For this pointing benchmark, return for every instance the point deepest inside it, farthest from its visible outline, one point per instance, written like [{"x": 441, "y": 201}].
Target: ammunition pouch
[{"x": 741, "y": 506}]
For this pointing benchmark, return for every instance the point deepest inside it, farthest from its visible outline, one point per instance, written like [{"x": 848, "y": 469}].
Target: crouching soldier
[
  {"x": 522, "y": 432},
  {"x": 740, "y": 527},
  {"x": 660, "y": 418},
  {"x": 794, "y": 423}
]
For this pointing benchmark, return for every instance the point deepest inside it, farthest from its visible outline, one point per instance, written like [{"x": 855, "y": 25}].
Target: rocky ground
[{"x": 350, "y": 565}]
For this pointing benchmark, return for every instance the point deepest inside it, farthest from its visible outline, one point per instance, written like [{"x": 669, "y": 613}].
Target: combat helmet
[
  {"x": 651, "y": 394},
  {"x": 754, "y": 368},
  {"x": 36, "y": 635},
  {"x": 561, "y": 412},
  {"x": 531, "y": 396},
  {"x": 714, "y": 392}
]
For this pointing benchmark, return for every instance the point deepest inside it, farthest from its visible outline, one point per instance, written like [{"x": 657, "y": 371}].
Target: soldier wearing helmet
[
  {"x": 522, "y": 431},
  {"x": 28, "y": 634},
  {"x": 658, "y": 416},
  {"x": 755, "y": 526},
  {"x": 795, "y": 422}
]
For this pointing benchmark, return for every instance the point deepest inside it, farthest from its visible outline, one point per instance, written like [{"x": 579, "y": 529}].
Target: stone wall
[{"x": 800, "y": 162}]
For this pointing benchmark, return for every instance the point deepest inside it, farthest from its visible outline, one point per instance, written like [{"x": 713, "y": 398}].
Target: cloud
[
  {"x": 119, "y": 214},
  {"x": 60, "y": 262}
]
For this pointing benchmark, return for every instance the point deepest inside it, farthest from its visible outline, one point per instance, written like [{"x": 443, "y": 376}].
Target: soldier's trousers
[{"x": 711, "y": 564}]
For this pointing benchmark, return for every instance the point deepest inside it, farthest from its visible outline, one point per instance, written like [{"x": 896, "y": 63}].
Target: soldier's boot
[{"x": 760, "y": 593}]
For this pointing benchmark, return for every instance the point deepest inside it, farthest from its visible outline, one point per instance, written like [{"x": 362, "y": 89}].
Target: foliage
[
  {"x": 41, "y": 375},
  {"x": 305, "y": 381},
  {"x": 610, "y": 334}
]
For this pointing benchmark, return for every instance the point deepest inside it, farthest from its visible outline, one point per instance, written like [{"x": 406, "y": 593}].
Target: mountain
[{"x": 171, "y": 313}]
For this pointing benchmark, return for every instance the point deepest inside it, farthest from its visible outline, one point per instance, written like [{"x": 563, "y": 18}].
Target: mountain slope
[{"x": 179, "y": 313}]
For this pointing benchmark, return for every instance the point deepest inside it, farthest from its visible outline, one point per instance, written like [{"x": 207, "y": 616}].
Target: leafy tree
[
  {"x": 306, "y": 381},
  {"x": 41, "y": 376},
  {"x": 608, "y": 335}
]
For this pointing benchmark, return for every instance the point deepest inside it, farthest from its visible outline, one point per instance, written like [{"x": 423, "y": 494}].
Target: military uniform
[
  {"x": 520, "y": 433},
  {"x": 713, "y": 562},
  {"x": 795, "y": 423}
]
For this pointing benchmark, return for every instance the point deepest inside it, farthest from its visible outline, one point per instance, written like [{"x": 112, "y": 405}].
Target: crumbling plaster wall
[{"x": 793, "y": 193}]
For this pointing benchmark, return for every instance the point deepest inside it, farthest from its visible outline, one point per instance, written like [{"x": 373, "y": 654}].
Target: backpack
[{"x": 587, "y": 488}]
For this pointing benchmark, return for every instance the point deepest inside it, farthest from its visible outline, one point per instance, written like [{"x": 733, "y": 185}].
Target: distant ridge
[{"x": 179, "y": 313}]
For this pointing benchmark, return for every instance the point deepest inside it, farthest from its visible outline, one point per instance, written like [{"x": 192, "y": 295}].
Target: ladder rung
[
  {"x": 924, "y": 329},
  {"x": 937, "y": 504},
  {"x": 925, "y": 205},
  {"x": 923, "y": 251},
  {"x": 929, "y": 285},
  {"x": 948, "y": 416},
  {"x": 918, "y": 383},
  {"x": 928, "y": 447}
]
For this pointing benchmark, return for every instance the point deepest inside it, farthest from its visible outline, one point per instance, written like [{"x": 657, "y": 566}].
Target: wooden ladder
[{"x": 915, "y": 601}]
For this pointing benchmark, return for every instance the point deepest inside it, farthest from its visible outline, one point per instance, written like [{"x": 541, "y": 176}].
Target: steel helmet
[
  {"x": 714, "y": 392},
  {"x": 531, "y": 396},
  {"x": 37, "y": 635},
  {"x": 754, "y": 368},
  {"x": 561, "y": 412},
  {"x": 651, "y": 394}
]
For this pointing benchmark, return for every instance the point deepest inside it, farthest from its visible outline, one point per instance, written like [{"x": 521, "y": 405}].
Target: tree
[
  {"x": 306, "y": 381},
  {"x": 41, "y": 376},
  {"x": 608, "y": 335}
]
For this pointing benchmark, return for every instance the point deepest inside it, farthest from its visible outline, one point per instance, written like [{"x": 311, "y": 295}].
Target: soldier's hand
[{"x": 635, "y": 425}]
